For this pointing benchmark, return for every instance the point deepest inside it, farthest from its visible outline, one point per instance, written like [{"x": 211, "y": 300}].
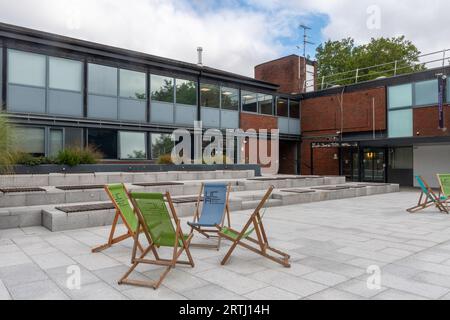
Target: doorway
[{"x": 373, "y": 165}]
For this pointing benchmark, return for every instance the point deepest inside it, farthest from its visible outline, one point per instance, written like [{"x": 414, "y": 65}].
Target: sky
[{"x": 236, "y": 35}]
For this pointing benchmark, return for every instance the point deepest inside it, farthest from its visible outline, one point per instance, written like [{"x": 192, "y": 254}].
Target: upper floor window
[
  {"x": 102, "y": 80},
  {"x": 186, "y": 92},
  {"x": 282, "y": 107},
  {"x": 65, "y": 74},
  {"x": 400, "y": 96},
  {"x": 426, "y": 92},
  {"x": 26, "y": 68},
  {"x": 249, "y": 101},
  {"x": 230, "y": 98},
  {"x": 265, "y": 104},
  {"x": 294, "y": 109},
  {"x": 162, "y": 88},
  {"x": 132, "y": 84},
  {"x": 210, "y": 95}
]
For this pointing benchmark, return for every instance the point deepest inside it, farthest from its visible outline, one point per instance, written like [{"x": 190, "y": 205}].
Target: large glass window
[
  {"x": 294, "y": 109},
  {"x": 26, "y": 68},
  {"x": 230, "y": 98},
  {"x": 400, "y": 96},
  {"x": 400, "y": 123},
  {"x": 249, "y": 101},
  {"x": 401, "y": 158},
  {"x": 30, "y": 140},
  {"x": 65, "y": 74},
  {"x": 426, "y": 92},
  {"x": 265, "y": 104},
  {"x": 102, "y": 80},
  {"x": 73, "y": 137},
  {"x": 105, "y": 141},
  {"x": 132, "y": 145},
  {"x": 56, "y": 142},
  {"x": 186, "y": 92},
  {"x": 162, "y": 144},
  {"x": 162, "y": 88},
  {"x": 282, "y": 107},
  {"x": 209, "y": 95},
  {"x": 132, "y": 84}
]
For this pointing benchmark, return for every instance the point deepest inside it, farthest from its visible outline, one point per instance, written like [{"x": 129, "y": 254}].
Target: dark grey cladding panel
[
  {"x": 26, "y": 99},
  {"x": 102, "y": 107},
  {"x": 65, "y": 103},
  {"x": 132, "y": 110}
]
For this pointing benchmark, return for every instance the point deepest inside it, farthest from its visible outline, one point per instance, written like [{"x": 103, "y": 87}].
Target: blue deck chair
[
  {"x": 215, "y": 205},
  {"x": 428, "y": 198}
]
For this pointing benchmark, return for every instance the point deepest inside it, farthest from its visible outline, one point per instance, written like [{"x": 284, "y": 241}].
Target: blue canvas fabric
[{"x": 214, "y": 202}]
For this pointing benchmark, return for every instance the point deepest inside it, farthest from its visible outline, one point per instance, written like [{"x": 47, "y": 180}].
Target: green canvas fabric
[
  {"x": 157, "y": 218},
  {"x": 120, "y": 196},
  {"x": 234, "y": 235},
  {"x": 445, "y": 183}
]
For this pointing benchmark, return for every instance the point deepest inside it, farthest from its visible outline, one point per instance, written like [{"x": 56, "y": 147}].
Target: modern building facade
[{"x": 62, "y": 92}]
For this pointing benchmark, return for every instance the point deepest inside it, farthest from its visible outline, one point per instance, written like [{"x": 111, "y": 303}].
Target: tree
[
  {"x": 162, "y": 145},
  {"x": 334, "y": 57},
  {"x": 7, "y": 145}
]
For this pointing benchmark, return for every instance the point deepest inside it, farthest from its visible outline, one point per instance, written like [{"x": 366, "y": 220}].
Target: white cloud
[{"x": 234, "y": 37}]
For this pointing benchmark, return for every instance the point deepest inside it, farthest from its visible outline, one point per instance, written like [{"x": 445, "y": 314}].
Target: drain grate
[
  {"x": 300, "y": 191},
  {"x": 159, "y": 184},
  {"x": 87, "y": 207},
  {"x": 16, "y": 190},
  {"x": 85, "y": 187}
]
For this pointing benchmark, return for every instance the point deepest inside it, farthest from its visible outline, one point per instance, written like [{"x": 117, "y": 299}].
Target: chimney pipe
[{"x": 200, "y": 56}]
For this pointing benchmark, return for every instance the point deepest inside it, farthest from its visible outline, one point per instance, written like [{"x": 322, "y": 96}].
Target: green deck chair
[
  {"x": 119, "y": 197},
  {"x": 444, "y": 182},
  {"x": 156, "y": 223},
  {"x": 243, "y": 238},
  {"x": 428, "y": 198}
]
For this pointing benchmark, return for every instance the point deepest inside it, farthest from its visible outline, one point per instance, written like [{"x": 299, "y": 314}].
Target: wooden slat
[
  {"x": 16, "y": 190},
  {"x": 87, "y": 207}
]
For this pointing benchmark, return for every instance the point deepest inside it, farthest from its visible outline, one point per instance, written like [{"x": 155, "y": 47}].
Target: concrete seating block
[
  {"x": 64, "y": 179},
  {"x": 7, "y": 181},
  {"x": 30, "y": 219},
  {"x": 38, "y": 199},
  {"x": 86, "y": 178},
  {"x": 13, "y": 200},
  {"x": 83, "y": 195},
  {"x": 9, "y": 222},
  {"x": 183, "y": 176}
]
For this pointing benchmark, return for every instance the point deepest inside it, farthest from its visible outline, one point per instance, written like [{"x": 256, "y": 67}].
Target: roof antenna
[{"x": 200, "y": 56}]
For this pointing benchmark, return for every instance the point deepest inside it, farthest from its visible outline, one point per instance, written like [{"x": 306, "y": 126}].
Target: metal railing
[{"x": 397, "y": 67}]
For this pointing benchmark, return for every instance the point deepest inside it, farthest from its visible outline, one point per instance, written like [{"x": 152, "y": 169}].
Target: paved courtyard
[{"x": 332, "y": 245}]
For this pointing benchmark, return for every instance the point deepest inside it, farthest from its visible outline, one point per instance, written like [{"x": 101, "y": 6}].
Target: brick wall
[
  {"x": 322, "y": 115},
  {"x": 426, "y": 121},
  {"x": 284, "y": 72}
]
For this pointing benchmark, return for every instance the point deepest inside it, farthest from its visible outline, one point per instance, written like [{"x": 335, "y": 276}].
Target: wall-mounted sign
[{"x": 442, "y": 85}]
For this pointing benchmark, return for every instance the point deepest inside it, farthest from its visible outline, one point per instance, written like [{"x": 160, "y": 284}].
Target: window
[
  {"x": 73, "y": 138},
  {"x": 102, "y": 80},
  {"x": 186, "y": 92},
  {"x": 132, "y": 145},
  {"x": 162, "y": 88},
  {"x": 249, "y": 102},
  {"x": 426, "y": 92},
  {"x": 294, "y": 109},
  {"x": 30, "y": 140},
  {"x": 400, "y": 123},
  {"x": 56, "y": 143},
  {"x": 65, "y": 74},
  {"x": 209, "y": 95},
  {"x": 162, "y": 144},
  {"x": 282, "y": 107},
  {"x": 105, "y": 141},
  {"x": 400, "y": 96},
  {"x": 26, "y": 68},
  {"x": 132, "y": 84},
  {"x": 265, "y": 104},
  {"x": 230, "y": 98}
]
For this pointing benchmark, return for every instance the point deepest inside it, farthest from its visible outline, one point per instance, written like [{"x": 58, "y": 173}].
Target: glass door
[
  {"x": 350, "y": 164},
  {"x": 373, "y": 165}
]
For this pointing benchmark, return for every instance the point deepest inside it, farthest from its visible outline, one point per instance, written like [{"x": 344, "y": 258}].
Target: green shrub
[
  {"x": 29, "y": 160},
  {"x": 165, "y": 159},
  {"x": 7, "y": 158},
  {"x": 76, "y": 156}
]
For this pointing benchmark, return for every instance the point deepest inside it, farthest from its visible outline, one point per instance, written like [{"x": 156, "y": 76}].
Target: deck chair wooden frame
[
  {"x": 428, "y": 198},
  {"x": 130, "y": 232},
  {"x": 180, "y": 244},
  {"x": 262, "y": 244},
  {"x": 209, "y": 232}
]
